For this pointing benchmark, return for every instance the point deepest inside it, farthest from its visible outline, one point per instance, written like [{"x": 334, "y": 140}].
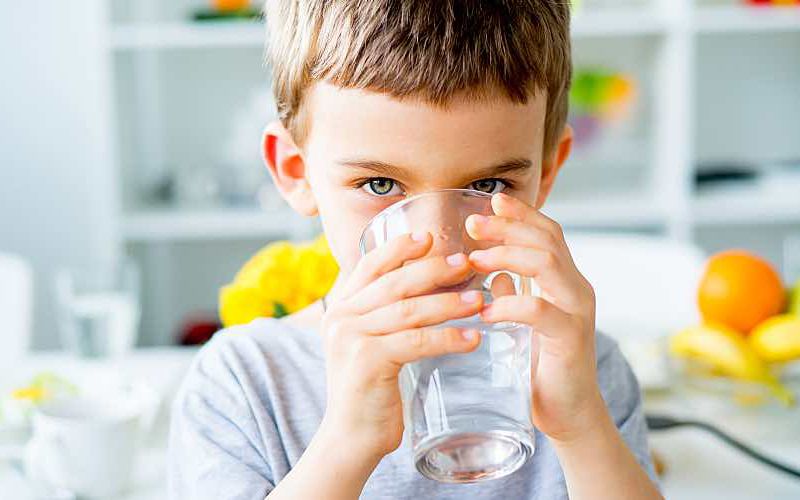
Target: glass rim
[{"x": 391, "y": 209}]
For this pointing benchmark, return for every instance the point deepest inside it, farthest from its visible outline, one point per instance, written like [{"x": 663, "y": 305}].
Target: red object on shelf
[{"x": 198, "y": 329}]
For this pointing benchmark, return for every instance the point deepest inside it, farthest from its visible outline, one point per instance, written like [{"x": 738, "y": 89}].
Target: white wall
[{"x": 56, "y": 192}]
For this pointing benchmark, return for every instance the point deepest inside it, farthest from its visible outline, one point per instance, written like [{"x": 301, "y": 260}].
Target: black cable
[{"x": 662, "y": 422}]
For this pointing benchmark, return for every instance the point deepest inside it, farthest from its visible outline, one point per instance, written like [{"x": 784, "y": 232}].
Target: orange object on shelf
[
  {"x": 740, "y": 290},
  {"x": 230, "y": 5},
  {"x": 774, "y": 2}
]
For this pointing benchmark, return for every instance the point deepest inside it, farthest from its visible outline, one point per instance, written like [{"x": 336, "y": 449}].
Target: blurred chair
[
  {"x": 646, "y": 286},
  {"x": 16, "y": 307},
  {"x": 646, "y": 289}
]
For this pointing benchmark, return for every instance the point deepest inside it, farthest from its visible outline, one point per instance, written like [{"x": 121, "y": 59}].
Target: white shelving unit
[
  {"x": 665, "y": 37},
  {"x": 746, "y": 206},
  {"x": 743, "y": 19},
  {"x": 176, "y": 225},
  {"x": 609, "y": 212},
  {"x": 186, "y": 35},
  {"x": 232, "y": 34}
]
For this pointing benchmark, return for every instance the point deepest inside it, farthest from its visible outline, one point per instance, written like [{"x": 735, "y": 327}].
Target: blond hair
[{"x": 433, "y": 50}]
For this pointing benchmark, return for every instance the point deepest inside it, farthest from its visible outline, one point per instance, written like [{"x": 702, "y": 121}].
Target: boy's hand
[
  {"x": 566, "y": 397},
  {"x": 380, "y": 321}
]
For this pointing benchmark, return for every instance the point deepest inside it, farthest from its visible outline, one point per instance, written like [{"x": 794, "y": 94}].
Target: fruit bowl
[
  {"x": 699, "y": 377},
  {"x": 742, "y": 407}
]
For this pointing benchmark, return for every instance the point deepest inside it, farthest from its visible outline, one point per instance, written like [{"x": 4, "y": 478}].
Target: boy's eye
[
  {"x": 490, "y": 186},
  {"x": 380, "y": 186}
]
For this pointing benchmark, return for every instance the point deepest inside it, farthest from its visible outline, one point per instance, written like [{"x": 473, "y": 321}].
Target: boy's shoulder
[
  {"x": 266, "y": 348},
  {"x": 264, "y": 335},
  {"x": 617, "y": 382},
  {"x": 607, "y": 350}
]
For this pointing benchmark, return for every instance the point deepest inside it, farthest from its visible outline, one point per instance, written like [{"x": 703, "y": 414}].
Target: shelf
[
  {"x": 172, "y": 225},
  {"x": 744, "y": 19},
  {"x": 606, "y": 212},
  {"x": 746, "y": 205},
  {"x": 207, "y": 34},
  {"x": 617, "y": 22},
  {"x": 250, "y": 34}
]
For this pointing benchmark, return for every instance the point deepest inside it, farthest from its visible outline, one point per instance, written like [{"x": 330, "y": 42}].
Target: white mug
[{"x": 87, "y": 446}]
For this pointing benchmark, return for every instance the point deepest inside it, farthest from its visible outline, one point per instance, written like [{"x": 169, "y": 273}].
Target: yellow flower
[
  {"x": 30, "y": 393},
  {"x": 278, "y": 285},
  {"x": 239, "y": 305},
  {"x": 316, "y": 272},
  {"x": 282, "y": 277},
  {"x": 272, "y": 256}
]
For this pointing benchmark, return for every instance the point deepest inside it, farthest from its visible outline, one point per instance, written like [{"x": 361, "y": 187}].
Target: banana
[
  {"x": 777, "y": 339},
  {"x": 727, "y": 353},
  {"x": 794, "y": 299}
]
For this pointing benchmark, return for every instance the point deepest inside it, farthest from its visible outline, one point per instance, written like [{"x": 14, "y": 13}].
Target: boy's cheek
[
  {"x": 345, "y": 216},
  {"x": 343, "y": 239}
]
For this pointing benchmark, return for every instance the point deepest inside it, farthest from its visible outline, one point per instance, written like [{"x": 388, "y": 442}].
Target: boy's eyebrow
[
  {"x": 382, "y": 168},
  {"x": 394, "y": 171},
  {"x": 512, "y": 165}
]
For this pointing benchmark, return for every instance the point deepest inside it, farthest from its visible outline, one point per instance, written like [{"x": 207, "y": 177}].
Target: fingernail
[
  {"x": 478, "y": 255},
  {"x": 457, "y": 259},
  {"x": 480, "y": 219},
  {"x": 419, "y": 236},
  {"x": 470, "y": 296},
  {"x": 469, "y": 335}
]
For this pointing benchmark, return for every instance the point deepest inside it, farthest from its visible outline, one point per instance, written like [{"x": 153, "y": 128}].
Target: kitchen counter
[{"x": 697, "y": 464}]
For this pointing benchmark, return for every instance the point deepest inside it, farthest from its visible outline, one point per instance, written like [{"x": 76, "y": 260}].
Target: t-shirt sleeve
[
  {"x": 623, "y": 397},
  {"x": 215, "y": 449}
]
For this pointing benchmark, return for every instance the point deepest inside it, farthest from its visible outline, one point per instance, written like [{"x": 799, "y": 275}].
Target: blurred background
[
  {"x": 129, "y": 132},
  {"x": 133, "y": 127}
]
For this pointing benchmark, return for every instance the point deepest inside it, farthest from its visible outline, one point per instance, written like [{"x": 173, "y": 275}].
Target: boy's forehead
[{"x": 348, "y": 123}]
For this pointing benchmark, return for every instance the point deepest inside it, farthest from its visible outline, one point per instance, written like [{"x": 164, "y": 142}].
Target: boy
[{"x": 379, "y": 100}]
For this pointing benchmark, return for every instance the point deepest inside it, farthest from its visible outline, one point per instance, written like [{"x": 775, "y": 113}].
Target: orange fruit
[{"x": 740, "y": 290}]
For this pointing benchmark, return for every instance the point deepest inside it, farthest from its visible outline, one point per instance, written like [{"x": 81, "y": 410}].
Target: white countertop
[
  {"x": 697, "y": 464},
  {"x": 160, "y": 367}
]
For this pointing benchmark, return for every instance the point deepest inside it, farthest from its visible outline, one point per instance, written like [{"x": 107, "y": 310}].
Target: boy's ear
[
  {"x": 552, "y": 164},
  {"x": 287, "y": 168}
]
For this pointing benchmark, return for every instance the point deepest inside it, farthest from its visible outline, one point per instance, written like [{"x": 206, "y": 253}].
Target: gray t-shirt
[{"x": 255, "y": 396}]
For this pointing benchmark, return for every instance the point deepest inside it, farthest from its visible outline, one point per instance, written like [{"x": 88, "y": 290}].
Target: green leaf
[{"x": 280, "y": 310}]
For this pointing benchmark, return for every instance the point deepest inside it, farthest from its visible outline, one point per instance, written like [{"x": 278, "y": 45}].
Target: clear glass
[
  {"x": 468, "y": 415},
  {"x": 99, "y": 309}
]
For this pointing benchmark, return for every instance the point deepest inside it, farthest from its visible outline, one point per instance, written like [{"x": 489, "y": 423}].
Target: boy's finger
[
  {"x": 422, "y": 311},
  {"x": 416, "y": 278},
  {"x": 544, "y": 317},
  {"x": 386, "y": 258},
  {"x": 541, "y": 265},
  {"x": 510, "y": 231},
  {"x": 509, "y": 206},
  {"x": 502, "y": 285},
  {"x": 411, "y": 345}
]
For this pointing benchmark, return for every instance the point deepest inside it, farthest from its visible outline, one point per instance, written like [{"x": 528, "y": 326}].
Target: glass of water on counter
[{"x": 98, "y": 308}]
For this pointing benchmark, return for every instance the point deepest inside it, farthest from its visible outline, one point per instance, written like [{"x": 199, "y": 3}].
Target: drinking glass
[
  {"x": 468, "y": 415},
  {"x": 99, "y": 308}
]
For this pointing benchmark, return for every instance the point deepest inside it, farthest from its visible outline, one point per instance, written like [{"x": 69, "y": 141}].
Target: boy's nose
[{"x": 445, "y": 221}]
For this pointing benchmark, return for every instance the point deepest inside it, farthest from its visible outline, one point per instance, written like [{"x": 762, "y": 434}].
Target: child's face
[{"x": 364, "y": 151}]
